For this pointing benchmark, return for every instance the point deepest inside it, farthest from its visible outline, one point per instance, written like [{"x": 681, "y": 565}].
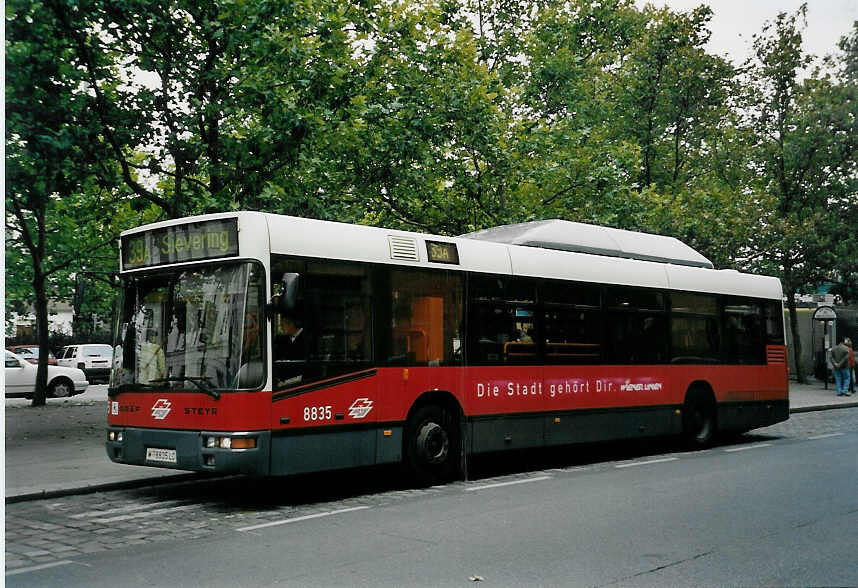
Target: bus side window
[
  {"x": 694, "y": 328},
  {"x": 636, "y": 326},
  {"x": 572, "y": 336},
  {"x": 426, "y": 317},
  {"x": 572, "y": 323},
  {"x": 774, "y": 316},
  {"x": 502, "y": 323}
]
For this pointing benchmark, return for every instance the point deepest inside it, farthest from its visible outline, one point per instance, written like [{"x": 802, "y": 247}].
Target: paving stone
[{"x": 37, "y": 553}]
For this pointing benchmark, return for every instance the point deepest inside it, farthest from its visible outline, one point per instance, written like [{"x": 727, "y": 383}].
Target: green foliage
[
  {"x": 426, "y": 140},
  {"x": 445, "y": 116},
  {"x": 805, "y": 156},
  {"x": 803, "y": 138}
]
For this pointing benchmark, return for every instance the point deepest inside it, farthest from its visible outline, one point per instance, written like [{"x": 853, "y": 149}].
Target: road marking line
[
  {"x": 569, "y": 469},
  {"x": 40, "y": 567},
  {"x": 826, "y": 436},
  {"x": 514, "y": 482},
  {"x": 641, "y": 463},
  {"x": 304, "y": 518},
  {"x": 757, "y": 446}
]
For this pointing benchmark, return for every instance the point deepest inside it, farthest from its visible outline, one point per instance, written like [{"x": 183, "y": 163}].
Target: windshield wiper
[
  {"x": 198, "y": 381},
  {"x": 114, "y": 392}
]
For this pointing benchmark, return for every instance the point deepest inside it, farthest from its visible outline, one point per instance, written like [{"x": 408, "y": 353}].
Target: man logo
[
  {"x": 360, "y": 408},
  {"x": 161, "y": 409}
]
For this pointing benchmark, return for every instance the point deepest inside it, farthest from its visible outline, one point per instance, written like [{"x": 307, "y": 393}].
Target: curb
[
  {"x": 823, "y": 407},
  {"x": 108, "y": 486}
]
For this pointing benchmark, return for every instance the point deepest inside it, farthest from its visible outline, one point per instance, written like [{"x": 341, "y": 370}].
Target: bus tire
[
  {"x": 699, "y": 419},
  {"x": 432, "y": 445}
]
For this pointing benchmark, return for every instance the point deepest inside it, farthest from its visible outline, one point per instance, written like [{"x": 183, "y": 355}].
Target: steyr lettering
[{"x": 200, "y": 411}]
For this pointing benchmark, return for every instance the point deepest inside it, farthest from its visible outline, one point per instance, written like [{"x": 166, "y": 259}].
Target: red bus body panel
[
  {"x": 238, "y": 411},
  {"x": 386, "y": 395}
]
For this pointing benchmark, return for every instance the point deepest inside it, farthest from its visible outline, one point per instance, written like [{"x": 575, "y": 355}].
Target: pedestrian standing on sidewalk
[
  {"x": 840, "y": 363},
  {"x": 852, "y": 374}
]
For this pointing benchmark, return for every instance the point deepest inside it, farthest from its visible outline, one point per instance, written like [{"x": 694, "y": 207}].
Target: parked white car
[
  {"x": 21, "y": 379},
  {"x": 93, "y": 358}
]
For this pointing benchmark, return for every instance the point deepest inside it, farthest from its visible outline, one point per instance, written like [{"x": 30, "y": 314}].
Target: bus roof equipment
[{"x": 582, "y": 238}]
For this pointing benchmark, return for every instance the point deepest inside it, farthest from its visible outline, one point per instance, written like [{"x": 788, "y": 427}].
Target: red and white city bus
[{"x": 264, "y": 344}]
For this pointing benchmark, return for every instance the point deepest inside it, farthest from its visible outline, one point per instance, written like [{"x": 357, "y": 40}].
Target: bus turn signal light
[
  {"x": 244, "y": 443},
  {"x": 230, "y": 442}
]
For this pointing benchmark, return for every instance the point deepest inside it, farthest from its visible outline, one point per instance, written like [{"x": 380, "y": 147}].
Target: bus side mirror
[
  {"x": 285, "y": 298},
  {"x": 291, "y": 288}
]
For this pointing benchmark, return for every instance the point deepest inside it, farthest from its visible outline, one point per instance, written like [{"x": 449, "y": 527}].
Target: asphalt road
[{"x": 775, "y": 508}]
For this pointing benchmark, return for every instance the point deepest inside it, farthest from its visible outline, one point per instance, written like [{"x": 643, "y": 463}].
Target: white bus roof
[
  {"x": 582, "y": 238},
  {"x": 609, "y": 256}
]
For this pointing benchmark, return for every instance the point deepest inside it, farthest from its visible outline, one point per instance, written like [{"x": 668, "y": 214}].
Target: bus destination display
[
  {"x": 442, "y": 252},
  {"x": 189, "y": 242}
]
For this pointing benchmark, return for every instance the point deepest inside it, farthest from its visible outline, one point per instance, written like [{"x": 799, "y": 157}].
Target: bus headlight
[
  {"x": 116, "y": 436},
  {"x": 224, "y": 442}
]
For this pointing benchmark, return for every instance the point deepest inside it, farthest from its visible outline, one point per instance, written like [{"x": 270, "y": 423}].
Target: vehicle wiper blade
[
  {"x": 114, "y": 392},
  {"x": 198, "y": 381}
]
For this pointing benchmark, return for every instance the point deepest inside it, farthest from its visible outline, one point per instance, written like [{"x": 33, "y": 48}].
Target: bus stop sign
[{"x": 824, "y": 313}]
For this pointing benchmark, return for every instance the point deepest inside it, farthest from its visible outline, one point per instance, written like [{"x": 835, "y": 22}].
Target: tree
[
  {"x": 804, "y": 171},
  {"x": 572, "y": 164},
  {"x": 426, "y": 139},
  {"x": 52, "y": 158},
  {"x": 211, "y": 105},
  {"x": 846, "y": 63}
]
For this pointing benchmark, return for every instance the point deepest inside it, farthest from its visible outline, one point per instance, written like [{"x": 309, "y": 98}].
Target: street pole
[{"x": 824, "y": 354}]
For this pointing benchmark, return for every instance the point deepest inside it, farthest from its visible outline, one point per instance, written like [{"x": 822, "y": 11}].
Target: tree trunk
[
  {"x": 41, "y": 308},
  {"x": 796, "y": 338}
]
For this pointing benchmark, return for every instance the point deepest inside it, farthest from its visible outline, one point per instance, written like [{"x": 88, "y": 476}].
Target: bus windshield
[{"x": 194, "y": 329}]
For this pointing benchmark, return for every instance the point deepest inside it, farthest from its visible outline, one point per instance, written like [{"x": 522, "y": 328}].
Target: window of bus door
[
  {"x": 502, "y": 321},
  {"x": 329, "y": 333},
  {"x": 192, "y": 329},
  {"x": 695, "y": 328},
  {"x": 425, "y": 317},
  {"x": 572, "y": 323},
  {"x": 743, "y": 331},
  {"x": 636, "y": 326}
]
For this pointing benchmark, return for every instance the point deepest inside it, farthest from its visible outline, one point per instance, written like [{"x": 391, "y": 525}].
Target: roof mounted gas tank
[{"x": 583, "y": 238}]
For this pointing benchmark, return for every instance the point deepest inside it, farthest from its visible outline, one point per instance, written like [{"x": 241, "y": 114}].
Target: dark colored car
[{"x": 31, "y": 353}]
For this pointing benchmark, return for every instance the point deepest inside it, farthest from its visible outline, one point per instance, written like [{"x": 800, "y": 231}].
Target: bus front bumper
[{"x": 200, "y": 451}]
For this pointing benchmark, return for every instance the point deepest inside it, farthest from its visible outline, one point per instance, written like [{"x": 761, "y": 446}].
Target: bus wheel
[
  {"x": 699, "y": 421},
  {"x": 432, "y": 445}
]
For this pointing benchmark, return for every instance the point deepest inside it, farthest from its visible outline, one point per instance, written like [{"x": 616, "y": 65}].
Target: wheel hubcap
[{"x": 433, "y": 443}]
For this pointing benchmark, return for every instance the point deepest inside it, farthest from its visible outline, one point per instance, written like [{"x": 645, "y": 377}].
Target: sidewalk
[
  {"x": 814, "y": 396},
  {"x": 58, "y": 449}
]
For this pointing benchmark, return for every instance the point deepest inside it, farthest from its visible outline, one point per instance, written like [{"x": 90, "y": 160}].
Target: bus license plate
[{"x": 161, "y": 455}]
